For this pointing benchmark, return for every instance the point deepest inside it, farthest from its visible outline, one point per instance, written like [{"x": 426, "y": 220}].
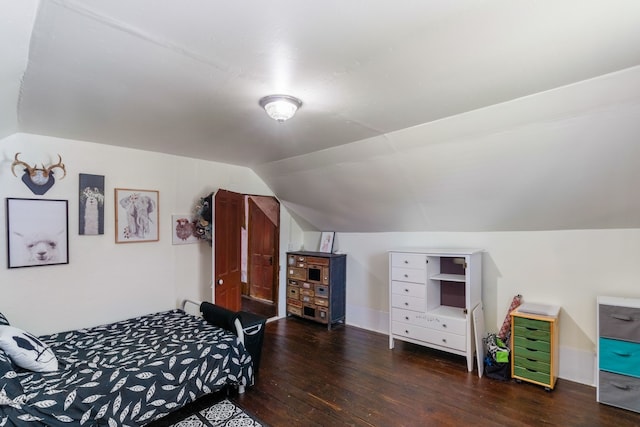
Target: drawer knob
[
  {"x": 406, "y": 332},
  {"x": 406, "y": 303},
  {"x": 406, "y": 261},
  {"x": 444, "y": 325},
  {"x": 406, "y": 290},
  {"x": 406, "y": 275},
  {"x": 406, "y": 317},
  {"x": 444, "y": 340}
]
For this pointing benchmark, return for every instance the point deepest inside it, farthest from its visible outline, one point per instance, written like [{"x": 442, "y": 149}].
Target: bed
[{"x": 127, "y": 373}]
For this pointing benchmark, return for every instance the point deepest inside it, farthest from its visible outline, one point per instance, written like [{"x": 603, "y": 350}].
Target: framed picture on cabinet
[
  {"x": 326, "y": 241},
  {"x": 37, "y": 232},
  {"x": 136, "y": 215}
]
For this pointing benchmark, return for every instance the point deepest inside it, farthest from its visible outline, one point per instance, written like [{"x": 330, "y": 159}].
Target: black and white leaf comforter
[{"x": 128, "y": 373}]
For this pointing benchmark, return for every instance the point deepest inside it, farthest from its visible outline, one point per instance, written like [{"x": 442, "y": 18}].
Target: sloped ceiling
[{"x": 461, "y": 115}]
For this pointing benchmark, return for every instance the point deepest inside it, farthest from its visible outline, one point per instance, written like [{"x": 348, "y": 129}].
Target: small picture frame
[
  {"x": 37, "y": 232},
  {"x": 326, "y": 241},
  {"x": 183, "y": 229},
  {"x": 136, "y": 215}
]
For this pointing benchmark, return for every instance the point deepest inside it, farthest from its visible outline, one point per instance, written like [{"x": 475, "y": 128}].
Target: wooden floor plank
[{"x": 310, "y": 376}]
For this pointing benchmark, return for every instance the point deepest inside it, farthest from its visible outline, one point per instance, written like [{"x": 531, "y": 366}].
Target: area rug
[{"x": 224, "y": 413}]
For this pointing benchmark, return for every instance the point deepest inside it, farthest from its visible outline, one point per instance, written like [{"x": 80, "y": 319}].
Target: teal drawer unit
[
  {"x": 534, "y": 347},
  {"x": 618, "y": 381}
]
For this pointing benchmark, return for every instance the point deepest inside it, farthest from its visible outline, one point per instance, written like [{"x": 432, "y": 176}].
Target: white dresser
[
  {"x": 432, "y": 293},
  {"x": 619, "y": 352}
]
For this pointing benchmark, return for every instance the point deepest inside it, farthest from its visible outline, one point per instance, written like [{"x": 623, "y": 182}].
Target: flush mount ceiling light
[{"x": 280, "y": 107}]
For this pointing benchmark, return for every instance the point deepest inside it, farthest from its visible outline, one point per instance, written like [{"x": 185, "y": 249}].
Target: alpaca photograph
[
  {"x": 37, "y": 232},
  {"x": 91, "y": 218}
]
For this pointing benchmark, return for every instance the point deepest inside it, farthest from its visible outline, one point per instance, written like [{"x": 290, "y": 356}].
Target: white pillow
[{"x": 27, "y": 351}]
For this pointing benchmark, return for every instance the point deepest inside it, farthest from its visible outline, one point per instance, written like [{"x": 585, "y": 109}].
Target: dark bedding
[{"x": 128, "y": 373}]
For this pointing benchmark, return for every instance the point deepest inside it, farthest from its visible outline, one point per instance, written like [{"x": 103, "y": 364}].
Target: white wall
[
  {"x": 16, "y": 23},
  {"x": 104, "y": 281},
  {"x": 568, "y": 268}
]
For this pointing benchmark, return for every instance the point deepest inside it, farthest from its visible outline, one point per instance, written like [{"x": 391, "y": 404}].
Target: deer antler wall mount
[{"x": 39, "y": 180}]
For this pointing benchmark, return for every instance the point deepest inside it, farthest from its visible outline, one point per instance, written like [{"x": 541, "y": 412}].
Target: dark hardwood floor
[
  {"x": 310, "y": 376},
  {"x": 263, "y": 308}
]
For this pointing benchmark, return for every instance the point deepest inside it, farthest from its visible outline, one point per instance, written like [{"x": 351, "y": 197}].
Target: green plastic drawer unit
[{"x": 534, "y": 347}]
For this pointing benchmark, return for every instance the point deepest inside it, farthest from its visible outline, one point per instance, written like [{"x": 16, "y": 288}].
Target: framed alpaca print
[
  {"x": 136, "y": 215},
  {"x": 91, "y": 197},
  {"x": 37, "y": 232}
]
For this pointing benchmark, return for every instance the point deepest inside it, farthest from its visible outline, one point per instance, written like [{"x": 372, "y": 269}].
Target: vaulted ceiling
[{"x": 461, "y": 115}]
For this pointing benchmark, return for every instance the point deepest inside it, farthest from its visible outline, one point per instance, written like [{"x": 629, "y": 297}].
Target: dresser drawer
[
  {"x": 416, "y": 290},
  {"x": 407, "y": 316},
  {"x": 430, "y": 336},
  {"x": 322, "y": 291},
  {"x": 619, "y": 322},
  {"x": 532, "y": 324},
  {"x": 408, "y": 303},
  {"x": 532, "y": 374},
  {"x": 297, "y": 273},
  {"x": 294, "y": 310},
  {"x": 532, "y": 328},
  {"x": 408, "y": 275},
  {"x": 294, "y": 302},
  {"x": 417, "y": 261},
  {"x": 619, "y": 390},
  {"x": 305, "y": 285},
  {"x": 293, "y": 292},
  {"x": 543, "y": 367},
  {"x": 621, "y": 357},
  {"x": 446, "y": 324},
  {"x": 321, "y": 301},
  {"x": 528, "y": 353},
  {"x": 305, "y": 291},
  {"x": 532, "y": 344}
]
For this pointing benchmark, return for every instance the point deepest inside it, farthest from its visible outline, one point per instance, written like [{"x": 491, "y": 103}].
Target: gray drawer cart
[{"x": 618, "y": 382}]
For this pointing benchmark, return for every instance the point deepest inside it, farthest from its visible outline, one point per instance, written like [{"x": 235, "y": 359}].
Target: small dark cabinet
[{"x": 316, "y": 284}]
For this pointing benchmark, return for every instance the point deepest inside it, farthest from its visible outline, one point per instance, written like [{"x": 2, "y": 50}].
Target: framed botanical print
[
  {"x": 37, "y": 232},
  {"x": 136, "y": 215}
]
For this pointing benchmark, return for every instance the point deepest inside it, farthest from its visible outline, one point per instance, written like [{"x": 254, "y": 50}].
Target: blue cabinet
[{"x": 316, "y": 286}]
